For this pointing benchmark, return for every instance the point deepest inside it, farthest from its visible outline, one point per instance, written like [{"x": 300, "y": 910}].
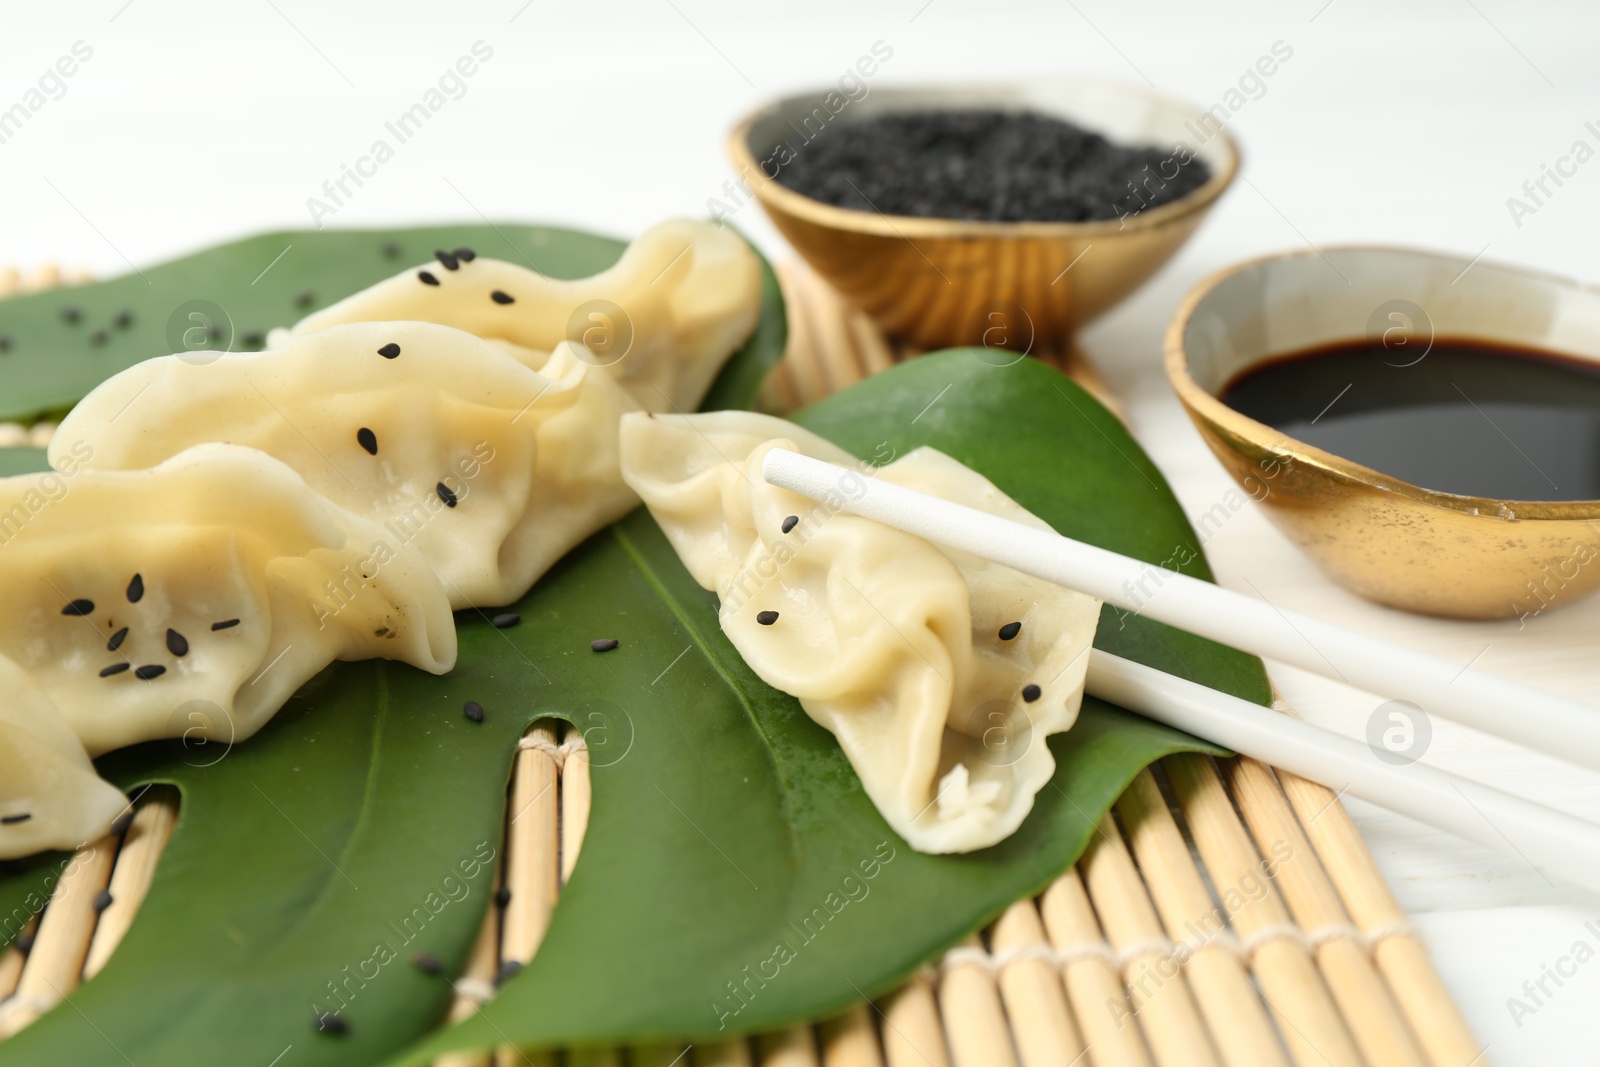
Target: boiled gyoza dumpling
[
  {"x": 215, "y": 583},
  {"x": 663, "y": 320},
  {"x": 50, "y": 795},
  {"x": 494, "y": 471},
  {"x": 940, "y": 673}
]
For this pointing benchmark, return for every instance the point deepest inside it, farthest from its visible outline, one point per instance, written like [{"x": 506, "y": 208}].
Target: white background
[{"x": 1407, "y": 124}]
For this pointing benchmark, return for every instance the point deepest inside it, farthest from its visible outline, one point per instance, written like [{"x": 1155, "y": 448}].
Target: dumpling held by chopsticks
[{"x": 940, "y": 673}]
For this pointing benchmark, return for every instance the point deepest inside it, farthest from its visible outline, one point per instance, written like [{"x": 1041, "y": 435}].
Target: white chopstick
[
  {"x": 1554, "y": 842},
  {"x": 1550, "y": 840},
  {"x": 1539, "y": 720}
]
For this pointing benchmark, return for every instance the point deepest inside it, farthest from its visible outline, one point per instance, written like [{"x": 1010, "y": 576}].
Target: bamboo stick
[
  {"x": 806, "y": 372},
  {"x": 1290, "y": 984},
  {"x": 594, "y": 1057},
  {"x": 734, "y": 1052},
  {"x": 55, "y": 965},
  {"x": 1093, "y": 985},
  {"x": 913, "y": 1035},
  {"x": 532, "y": 866},
  {"x": 974, "y": 1021},
  {"x": 1446, "y": 1039},
  {"x": 837, "y": 353},
  {"x": 794, "y": 1047},
  {"x": 153, "y": 822},
  {"x": 663, "y": 1054},
  {"x": 573, "y": 775},
  {"x": 1375, "y": 1021},
  {"x": 1035, "y": 1000},
  {"x": 12, "y": 960},
  {"x": 575, "y": 797},
  {"x": 850, "y": 1040},
  {"x": 874, "y": 354},
  {"x": 1160, "y": 995},
  {"x": 1218, "y": 976},
  {"x": 483, "y": 965}
]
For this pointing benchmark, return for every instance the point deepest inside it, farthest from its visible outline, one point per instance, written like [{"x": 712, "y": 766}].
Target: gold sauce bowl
[
  {"x": 945, "y": 282},
  {"x": 1388, "y": 540}
]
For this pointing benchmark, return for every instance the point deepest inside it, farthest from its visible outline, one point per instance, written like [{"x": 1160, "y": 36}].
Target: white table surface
[{"x": 196, "y": 121}]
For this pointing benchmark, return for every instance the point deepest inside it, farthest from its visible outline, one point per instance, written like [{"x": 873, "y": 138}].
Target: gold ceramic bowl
[
  {"x": 945, "y": 282},
  {"x": 1393, "y": 542}
]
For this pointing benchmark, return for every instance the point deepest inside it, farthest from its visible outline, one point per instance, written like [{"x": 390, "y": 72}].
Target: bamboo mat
[{"x": 1225, "y": 912}]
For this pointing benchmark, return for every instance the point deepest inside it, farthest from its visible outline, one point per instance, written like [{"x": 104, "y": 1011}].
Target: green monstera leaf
[
  {"x": 735, "y": 877},
  {"x": 57, "y": 345},
  {"x": 358, "y": 827}
]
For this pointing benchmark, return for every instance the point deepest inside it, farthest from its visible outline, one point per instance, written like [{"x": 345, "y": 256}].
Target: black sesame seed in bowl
[
  {"x": 945, "y": 212},
  {"x": 986, "y": 164}
]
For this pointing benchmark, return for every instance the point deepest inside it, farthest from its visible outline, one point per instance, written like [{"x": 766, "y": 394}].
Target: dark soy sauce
[{"x": 1468, "y": 417}]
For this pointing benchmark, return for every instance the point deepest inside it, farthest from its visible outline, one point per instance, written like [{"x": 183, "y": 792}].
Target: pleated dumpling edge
[
  {"x": 492, "y": 470},
  {"x": 940, "y": 674}
]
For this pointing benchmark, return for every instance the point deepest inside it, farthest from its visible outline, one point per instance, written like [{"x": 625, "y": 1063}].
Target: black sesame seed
[
  {"x": 120, "y": 826},
  {"x": 13, "y": 820},
  {"x": 330, "y": 1023},
  {"x": 1030, "y": 692},
  {"x": 446, "y": 259},
  {"x": 225, "y": 624},
  {"x": 117, "y": 639},
  {"x": 213, "y": 332},
  {"x": 466, "y": 255},
  {"x": 103, "y": 900},
  {"x": 79, "y": 608},
  {"x": 71, "y": 315},
  {"x": 177, "y": 644},
  {"x": 473, "y": 710},
  {"x": 502, "y": 895},
  {"x": 766, "y": 618},
  {"x": 367, "y": 440},
  {"x": 426, "y": 963},
  {"x": 123, "y": 320},
  {"x": 506, "y": 621},
  {"x": 790, "y": 523},
  {"x": 149, "y": 671},
  {"x": 426, "y": 278},
  {"x": 509, "y": 969},
  {"x": 604, "y": 644},
  {"x": 99, "y": 337},
  {"x": 253, "y": 339},
  {"x": 1010, "y": 630},
  {"x": 304, "y": 298},
  {"x": 446, "y": 495},
  {"x": 114, "y": 669},
  {"x": 390, "y": 250},
  {"x": 24, "y": 942},
  {"x": 389, "y": 351},
  {"x": 502, "y": 298},
  {"x": 136, "y": 589}
]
